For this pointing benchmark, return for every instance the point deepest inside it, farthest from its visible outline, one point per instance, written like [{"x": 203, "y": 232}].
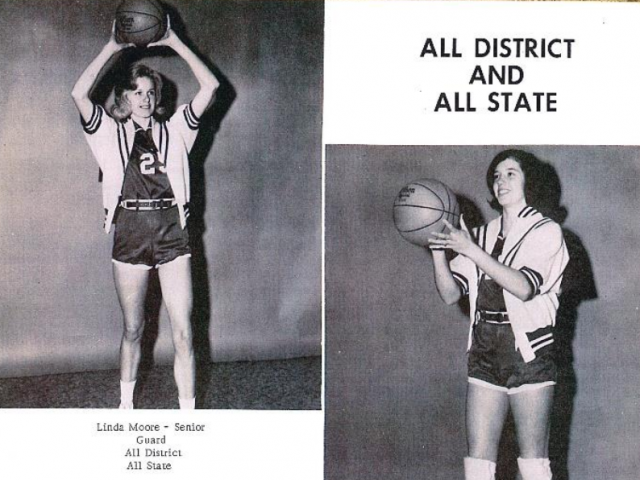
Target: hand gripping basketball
[
  {"x": 115, "y": 41},
  {"x": 140, "y": 22},
  {"x": 167, "y": 38},
  {"x": 458, "y": 240}
]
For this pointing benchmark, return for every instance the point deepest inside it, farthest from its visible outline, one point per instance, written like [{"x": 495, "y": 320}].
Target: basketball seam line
[
  {"x": 139, "y": 31},
  {"x": 432, "y": 191},
  {"x": 424, "y": 226},
  {"x": 139, "y": 13},
  {"x": 449, "y": 195},
  {"x": 430, "y": 208}
]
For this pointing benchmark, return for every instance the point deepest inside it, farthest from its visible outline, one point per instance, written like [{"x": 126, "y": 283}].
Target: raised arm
[
  {"x": 88, "y": 79},
  {"x": 512, "y": 280},
  {"x": 207, "y": 80}
]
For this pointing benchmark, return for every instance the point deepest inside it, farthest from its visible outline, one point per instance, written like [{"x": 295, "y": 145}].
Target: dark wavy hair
[
  {"x": 536, "y": 178},
  {"x": 121, "y": 110}
]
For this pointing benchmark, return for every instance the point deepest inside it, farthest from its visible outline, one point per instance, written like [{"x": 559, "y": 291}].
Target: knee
[
  {"x": 183, "y": 342},
  {"x": 133, "y": 333}
]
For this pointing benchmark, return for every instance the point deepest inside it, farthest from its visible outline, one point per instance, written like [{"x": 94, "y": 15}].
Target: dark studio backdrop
[
  {"x": 255, "y": 185},
  {"x": 395, "y": 353}
]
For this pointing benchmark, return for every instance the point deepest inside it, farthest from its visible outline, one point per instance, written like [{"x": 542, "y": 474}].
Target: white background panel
[
  {"x": 234, "y": 445},
  {"x": 378, "y": 90}
]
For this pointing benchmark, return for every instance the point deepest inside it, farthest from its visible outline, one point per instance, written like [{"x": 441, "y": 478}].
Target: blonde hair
[{"x": 121, "y": 110}]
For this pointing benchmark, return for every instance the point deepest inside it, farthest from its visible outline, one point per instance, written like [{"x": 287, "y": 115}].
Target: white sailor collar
[{"x": 527, "y": 218}]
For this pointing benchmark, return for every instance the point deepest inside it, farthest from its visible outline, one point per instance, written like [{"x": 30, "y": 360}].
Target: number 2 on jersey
[{"x": 147, "y": 162}]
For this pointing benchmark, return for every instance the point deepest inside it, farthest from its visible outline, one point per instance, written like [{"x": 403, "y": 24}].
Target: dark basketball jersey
[
  {"x": 490, "y": 296},
  {"x": 146, "y": 176}
]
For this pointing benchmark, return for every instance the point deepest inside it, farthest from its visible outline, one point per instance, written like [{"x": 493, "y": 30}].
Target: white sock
[
  {"x": 479, "y": 469},
  {"x": 535, "y": 468},
  {"x": 187, "y": 404},
  {"x": 126, "y": 394}
]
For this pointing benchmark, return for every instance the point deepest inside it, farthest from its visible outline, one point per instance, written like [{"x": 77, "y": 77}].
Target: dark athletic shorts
[
  {"x": 495, "y": 363},
  {"x": 148, "y": 239}
]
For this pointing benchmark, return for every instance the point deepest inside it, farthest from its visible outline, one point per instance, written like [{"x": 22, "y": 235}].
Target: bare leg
[
  {"x": 532, "y": 412},
  {"x": 486, "y": 412},
  {"x": 177, "y": 292},
  {"x": 131, "y": 286}
]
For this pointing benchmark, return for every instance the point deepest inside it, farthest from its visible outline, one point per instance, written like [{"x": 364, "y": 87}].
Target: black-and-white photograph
[
  {"x": 345, "y": 239},
  {"x": 481, "y": 312},
  {"x": 160, "y": 190}
]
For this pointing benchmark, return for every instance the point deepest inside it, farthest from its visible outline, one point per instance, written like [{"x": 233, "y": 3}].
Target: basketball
[
  {"x": 421, "y": 207},
  {"x": 140, "y": 22}
]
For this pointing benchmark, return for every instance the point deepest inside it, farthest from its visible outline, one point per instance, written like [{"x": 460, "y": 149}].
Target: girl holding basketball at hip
[
  {"x": 145, "y": 165},
  {"x": 511, "y": 270}
]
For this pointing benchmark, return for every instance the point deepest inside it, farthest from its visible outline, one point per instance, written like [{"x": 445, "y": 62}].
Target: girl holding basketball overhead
[
  {"x": 511, "y": 270},
  {"x": 145, "y": 194}
]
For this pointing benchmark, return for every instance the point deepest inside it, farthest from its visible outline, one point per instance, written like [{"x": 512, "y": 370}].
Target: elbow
[
  {"x": 208, "y": 91},
  {"x": 450, "y": 298},
  {"x": 213, "y": 88},
  {"x": 78, "y": 95},
  {"x": 526, "y": 294},
  {"x": 211, "y": 85},
  {"x": 449, "y": 293},
  {"x": 215, "y": 84}
]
